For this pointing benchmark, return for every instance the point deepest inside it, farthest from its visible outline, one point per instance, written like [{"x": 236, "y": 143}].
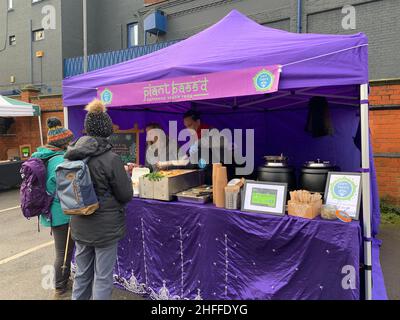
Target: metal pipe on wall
[
  {"x": 85, "y": 40},
  {"x": 31, "y": 50},
  {"x": 299, "y": 15}
]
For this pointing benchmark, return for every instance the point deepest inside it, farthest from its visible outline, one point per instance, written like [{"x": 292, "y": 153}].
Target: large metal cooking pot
[
  {"x": 314, "y": 175},
  {"x": 277, "y": 170}
]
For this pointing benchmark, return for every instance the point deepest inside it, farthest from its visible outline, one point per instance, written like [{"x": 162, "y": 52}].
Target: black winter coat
[{"x": 113, "y": 189}]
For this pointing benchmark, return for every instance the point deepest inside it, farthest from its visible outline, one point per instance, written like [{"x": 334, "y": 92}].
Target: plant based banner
[{"x": 244, "y": 82}]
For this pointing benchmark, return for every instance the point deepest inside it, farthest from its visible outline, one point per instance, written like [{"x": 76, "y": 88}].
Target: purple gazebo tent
[{"x": 333, "y": 66}]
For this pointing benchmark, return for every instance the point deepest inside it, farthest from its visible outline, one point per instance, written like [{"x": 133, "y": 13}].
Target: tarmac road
[{"x": 25, "y": 253}]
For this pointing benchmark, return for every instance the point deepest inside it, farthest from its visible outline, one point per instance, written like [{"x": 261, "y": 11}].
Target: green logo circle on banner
[
  {"x": 264, "y": 80},
  {"x": 106, "y": 96}
]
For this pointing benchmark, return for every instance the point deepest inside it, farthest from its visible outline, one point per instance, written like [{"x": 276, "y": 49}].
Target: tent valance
[
  {"x": 234, "y": 83},
  {"x": 237, "y": 42}
]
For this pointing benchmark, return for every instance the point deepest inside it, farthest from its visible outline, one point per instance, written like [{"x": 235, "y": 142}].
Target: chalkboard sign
[{"x": 126, "y": 144}]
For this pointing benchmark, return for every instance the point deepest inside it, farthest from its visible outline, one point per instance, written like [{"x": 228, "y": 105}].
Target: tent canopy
[
  {"x": 15, "y": 108},
  {"x": 333, "y": 66},
  {"x": 237, "y": 42}
]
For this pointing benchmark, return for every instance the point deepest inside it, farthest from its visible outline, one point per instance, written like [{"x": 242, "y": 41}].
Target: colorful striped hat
[{"x": 58, "y": 136}]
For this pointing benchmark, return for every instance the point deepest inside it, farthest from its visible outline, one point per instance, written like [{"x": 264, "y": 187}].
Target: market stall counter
[
  {"x": 193, "y": 251},
  {"x": 10, "y": 176}
]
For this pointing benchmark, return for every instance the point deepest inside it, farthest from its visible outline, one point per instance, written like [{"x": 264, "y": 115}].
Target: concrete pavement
[{"x": 25, "y": 253}]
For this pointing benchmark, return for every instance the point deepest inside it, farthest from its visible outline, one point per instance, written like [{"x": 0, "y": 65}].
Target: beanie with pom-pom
[
  {"x": 97, "y": 122},
  {"x": 57, "y": 135}
]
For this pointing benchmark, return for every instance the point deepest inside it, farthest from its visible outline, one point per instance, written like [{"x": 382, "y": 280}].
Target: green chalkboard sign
[{"x": 126, "y": 144}]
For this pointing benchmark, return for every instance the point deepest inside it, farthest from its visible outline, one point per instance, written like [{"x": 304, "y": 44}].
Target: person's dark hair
[
  {"x": 192, "y": 114},
  {"x": 153, "y": 125}
]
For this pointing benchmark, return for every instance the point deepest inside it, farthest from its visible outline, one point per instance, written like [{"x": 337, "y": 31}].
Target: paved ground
[
  {"x": 25, "y": 253},
  {"x": 390, "y": 259}
]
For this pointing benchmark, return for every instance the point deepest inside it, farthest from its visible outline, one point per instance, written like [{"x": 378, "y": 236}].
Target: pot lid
[
  {"x": 318, "y": 164},
  {"x": 276, "y": 159},
  {"x": 275, "y": 164}
]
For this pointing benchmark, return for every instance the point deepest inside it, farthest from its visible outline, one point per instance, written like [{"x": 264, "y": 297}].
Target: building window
[
  {"x": 13, "y": 41},
  {"x": 10, "y": 5},
  {"x": 38, "y": 35},
  {"x": 133, "y": 35}
]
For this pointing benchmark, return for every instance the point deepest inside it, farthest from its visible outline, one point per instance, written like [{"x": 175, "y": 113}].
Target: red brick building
[
  {"x": 25, "y": 131},
  {"x": 385, "y": 128}
]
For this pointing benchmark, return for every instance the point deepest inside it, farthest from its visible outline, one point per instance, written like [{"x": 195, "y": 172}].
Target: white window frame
[{"x": 35, "y": 32}]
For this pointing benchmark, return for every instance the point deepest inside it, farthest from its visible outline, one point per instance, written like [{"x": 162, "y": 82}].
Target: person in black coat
[{"x": 96, "y": 236}]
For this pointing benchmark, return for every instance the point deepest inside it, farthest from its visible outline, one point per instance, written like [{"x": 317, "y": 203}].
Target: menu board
[
  {"x": 343, "y": 189},
  {"x": 264, "y": 197},
  {"x": 126, "y": 144}
]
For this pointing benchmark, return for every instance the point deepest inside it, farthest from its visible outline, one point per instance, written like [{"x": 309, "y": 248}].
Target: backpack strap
[{"x": 46, "y": 162}]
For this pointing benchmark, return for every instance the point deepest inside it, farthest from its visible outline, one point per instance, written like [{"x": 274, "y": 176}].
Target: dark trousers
[{"x": 60, "y": 239}]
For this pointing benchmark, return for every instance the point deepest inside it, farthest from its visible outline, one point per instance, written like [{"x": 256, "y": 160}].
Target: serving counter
[
  {"x": 178, "y": 250},
  {"x": 10, "y": 176}
]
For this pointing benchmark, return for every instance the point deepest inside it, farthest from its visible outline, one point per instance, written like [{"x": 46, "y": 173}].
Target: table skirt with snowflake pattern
[{"x": 187, "y": 251}]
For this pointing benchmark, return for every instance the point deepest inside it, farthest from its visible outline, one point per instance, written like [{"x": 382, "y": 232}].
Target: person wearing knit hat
[
  {"x": 96, "y": 236},
  {"x": 58, "y": 138},
  {"x": 97, "y": 122},
  {"x": 57, "y": 135}
]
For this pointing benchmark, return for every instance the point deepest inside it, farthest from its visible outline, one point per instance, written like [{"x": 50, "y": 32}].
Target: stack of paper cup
[
  {"x": 216, "y": 167},
  {"x": 221, "y": 182}
]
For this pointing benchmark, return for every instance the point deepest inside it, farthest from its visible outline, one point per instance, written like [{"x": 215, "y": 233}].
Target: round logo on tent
[
  {"x": 264, "y": 80},
  {"x": 106, "y": 96}
]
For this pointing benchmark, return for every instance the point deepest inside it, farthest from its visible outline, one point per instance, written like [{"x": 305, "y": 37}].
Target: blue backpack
[{"x": 75, "y": 189}]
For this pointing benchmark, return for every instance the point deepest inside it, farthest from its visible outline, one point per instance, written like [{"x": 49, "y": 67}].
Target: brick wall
[
  {"x": 385, "y": 128},
  {"x": 25, "y": 130}
]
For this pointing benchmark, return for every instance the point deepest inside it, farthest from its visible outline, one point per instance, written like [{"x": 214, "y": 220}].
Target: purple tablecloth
[{"x": 185, "y": 251}]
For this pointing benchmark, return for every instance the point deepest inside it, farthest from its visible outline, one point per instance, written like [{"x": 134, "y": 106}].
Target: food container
[
  {"x": 304, "y": 204},
  {"x": 314, "y": 175},
  {"x": 173, "y": 182},
  {"x": 276, "y": 169},
  {"x": 233, "y": 194},
  {"x": 199, "y": 195},
  {"x": 136, "y": 174},
  {"x": 328, "y": 212}
]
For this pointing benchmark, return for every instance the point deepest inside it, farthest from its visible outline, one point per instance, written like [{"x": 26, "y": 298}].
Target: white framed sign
[
  {"x": 343, "y": 190},
  {"x": 265, "y": 197}
]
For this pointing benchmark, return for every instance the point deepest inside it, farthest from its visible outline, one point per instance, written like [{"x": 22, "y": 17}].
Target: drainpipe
[
  {"x": 31, "y": 51},
  {"x": 85, "y": 37},
  {"x": 299, "y": 15}
]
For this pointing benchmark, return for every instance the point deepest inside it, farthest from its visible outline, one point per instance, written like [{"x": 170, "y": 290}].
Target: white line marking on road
[
  {"x": 26, "y": 252},
  {"x": 9, "y": 209}
]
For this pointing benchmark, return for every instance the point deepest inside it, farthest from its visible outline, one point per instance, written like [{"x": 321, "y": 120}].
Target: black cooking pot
[
  {"x": 314, "y": 175},
  {"x": 277, "y": 170}
]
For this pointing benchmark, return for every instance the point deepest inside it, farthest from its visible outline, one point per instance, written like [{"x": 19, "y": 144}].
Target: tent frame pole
[
  {"x": 366, "y": 189},
  {"x": 40, "y": 130},
  {"x": 66, "y": 120}
]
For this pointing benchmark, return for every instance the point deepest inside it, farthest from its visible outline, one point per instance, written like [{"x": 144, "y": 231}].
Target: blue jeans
[{"x": 94, "y": 272}]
